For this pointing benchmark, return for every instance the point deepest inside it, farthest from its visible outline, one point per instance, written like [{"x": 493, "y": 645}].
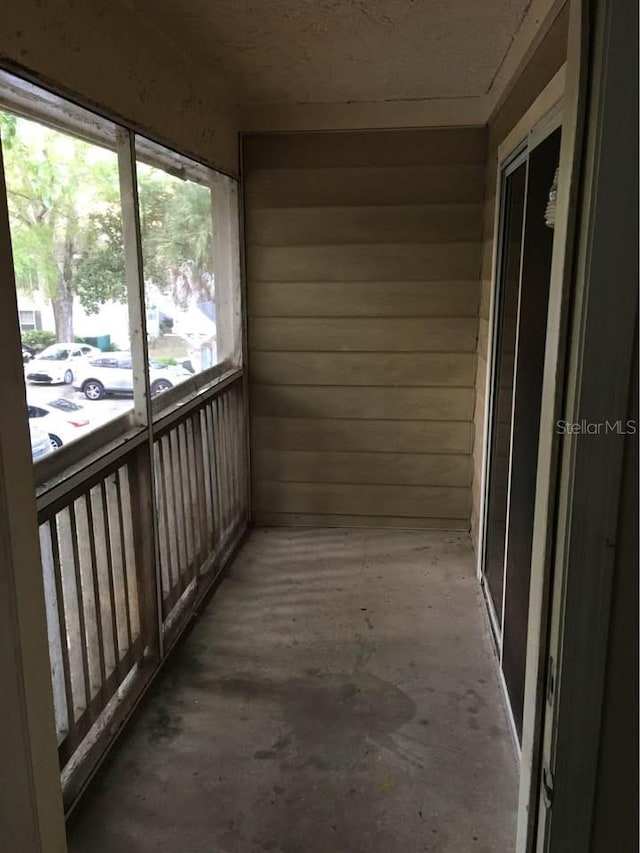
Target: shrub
[{"x": 38, "y": 339}]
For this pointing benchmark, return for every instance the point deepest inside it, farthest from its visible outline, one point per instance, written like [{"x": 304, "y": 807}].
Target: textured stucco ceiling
[{"x": 341, "y": 51}]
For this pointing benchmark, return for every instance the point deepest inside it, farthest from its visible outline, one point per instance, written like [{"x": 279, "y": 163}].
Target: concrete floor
[{"x": 338, "y": 695}]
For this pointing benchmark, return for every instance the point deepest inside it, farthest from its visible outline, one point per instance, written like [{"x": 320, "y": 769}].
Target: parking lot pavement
[{"x": 98, "y": 412}]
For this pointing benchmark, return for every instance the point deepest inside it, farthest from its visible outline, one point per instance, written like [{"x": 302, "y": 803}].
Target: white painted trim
[
  {"x": 488, "y": 390},
  {"x": 598, "y": 377},
  {"x": 539, "y": 120},
  {"x": 536, "y": 661},
  {"x": 514, "y": 389},
  {"x": 512, "y": 722},
  {"x": 546, "y": 101},
  {"x": 493, "y": 619},
  {"x": 540, "y": 111},
  {"x": 31, "y": 812}
]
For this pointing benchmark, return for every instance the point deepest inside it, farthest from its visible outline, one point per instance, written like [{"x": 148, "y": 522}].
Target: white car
[
  {"x": 40, "y": 444},
  {"x": 112, "y": 373},
  {"x": 61, "y": 419},
  {"x": 58, "y": 363}
]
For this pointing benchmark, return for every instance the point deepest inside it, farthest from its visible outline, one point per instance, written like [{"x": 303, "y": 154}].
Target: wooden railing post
[{"x": 143, "y": 506}]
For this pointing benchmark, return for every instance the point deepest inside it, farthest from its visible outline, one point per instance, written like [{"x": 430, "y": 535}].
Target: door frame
[
  {"x": 543, "y": 117},
  {"x": 550, "y": 98},
  {"x": 564, "y": 93},
  {"x": 598, "y": 375},
  {"x": 515, "y": 159}
]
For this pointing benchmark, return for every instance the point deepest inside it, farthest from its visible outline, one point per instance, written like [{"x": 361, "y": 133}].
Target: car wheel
[
  {"x": 56, "y": 442},
  {"x": 93, "y": 390},
  {"x": 68, "y": 377},
  {"x": 160, "y": 385}
]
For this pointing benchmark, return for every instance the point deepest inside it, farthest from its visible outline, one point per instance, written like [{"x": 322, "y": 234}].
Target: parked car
[
  {"x": 58, "y": 363},
  {"x": 62, "y": 419},
  {"x": 40, "y": 444},
  {"x": 112, "y": 373}
]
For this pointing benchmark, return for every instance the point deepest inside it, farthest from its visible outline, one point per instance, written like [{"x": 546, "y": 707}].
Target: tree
[
  {"x": 66, "y": 224},
  {"x": 65, "y": 219},
  {"x": 177, "y": 237},
  {"x": 99, "y": 273}
]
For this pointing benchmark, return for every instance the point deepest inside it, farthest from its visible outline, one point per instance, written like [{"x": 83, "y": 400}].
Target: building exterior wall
[
  {"x": 364, "y": 255},
  {"x": 543, "y": 64}
]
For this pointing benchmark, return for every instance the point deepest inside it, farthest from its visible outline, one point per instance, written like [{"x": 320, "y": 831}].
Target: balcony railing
[{"x": 128, "y": 551}]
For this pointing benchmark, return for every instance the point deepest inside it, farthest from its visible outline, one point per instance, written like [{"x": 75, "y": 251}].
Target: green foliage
[
  {"x": 66, "y": 224},
  {"x": 36, "y": 338},
  {"x": 63, "y": 197},
  {"x": 177, "y": 238},
  {"x": 99, "y": 272}
]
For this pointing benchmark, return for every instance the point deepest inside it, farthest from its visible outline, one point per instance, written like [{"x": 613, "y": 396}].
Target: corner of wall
[{"x": 109, "y": 57}]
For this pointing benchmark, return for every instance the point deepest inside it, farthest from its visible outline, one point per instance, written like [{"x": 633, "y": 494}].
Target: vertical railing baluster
[
  {"x": 222, "y": 465},
  {"x": 188, "y": 486},
  {"x": 237, "y": 448},
  {"x": 179, "y": 509},
  {"x": 236, "y": 457},
  {"x": 112, "y": 594},
  {"x": 80, "y": 605},
  {"x": 226, "y": 402},
  {"x": 213, "y": 472},
  {"x": 96, "y": 587},
  {"x": 206, "y": 480},
  {"x": 123, "y": 551},
  {"x": 198, "y": 480},
  {"x": 242, "y": 454},
  {"x": 62, "y": 621},
  {"x": 173, "y": 540},
  {"x": 163, "y": 526}
]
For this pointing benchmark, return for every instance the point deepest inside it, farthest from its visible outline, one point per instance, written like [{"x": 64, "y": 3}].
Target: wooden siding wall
[
  {"x": 544, "y": 63},
  {"x": 364, "y": 254}
]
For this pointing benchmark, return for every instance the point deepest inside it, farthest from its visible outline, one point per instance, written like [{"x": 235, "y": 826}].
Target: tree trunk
[
  {"x": 63, "y": 301},
  {"x": 63, "y": 313}
]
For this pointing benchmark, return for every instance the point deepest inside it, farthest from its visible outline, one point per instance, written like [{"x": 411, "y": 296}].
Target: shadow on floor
[{"x": 338, "y": 695}]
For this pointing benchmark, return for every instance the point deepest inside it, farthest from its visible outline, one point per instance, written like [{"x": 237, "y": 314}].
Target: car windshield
[
  {"x": 54, "y": 355},
  {"x": 64, "y": 405}
]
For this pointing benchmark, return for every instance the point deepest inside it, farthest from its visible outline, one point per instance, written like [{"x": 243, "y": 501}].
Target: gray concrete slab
[{"x": 338, "y": 695}]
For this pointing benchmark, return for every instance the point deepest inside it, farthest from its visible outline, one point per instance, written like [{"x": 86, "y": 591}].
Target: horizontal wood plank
[
  {"x": 397, "y": 262},
  {"x": 431, "y": 147},
  {"x": 365, "y": 186},
  {"x": 371, "y": 500},
  {"x": 379, "y": 468},
  {"x": 364, "y": 258},
  {"x": 339, "y": 334},
  {"x": 483, "y": 338},
  {"x": 487, "y": 261},
  {"x": 413, "y": 369},
  {"x": 364, "y": 225},
  {"x": 382, "y": 403},
  {"x": 484, "y": 309},
  {"x": 439, "y": 437},
  {"x": 364, "y": 299},
  {"x": 263, "y": 518}
]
